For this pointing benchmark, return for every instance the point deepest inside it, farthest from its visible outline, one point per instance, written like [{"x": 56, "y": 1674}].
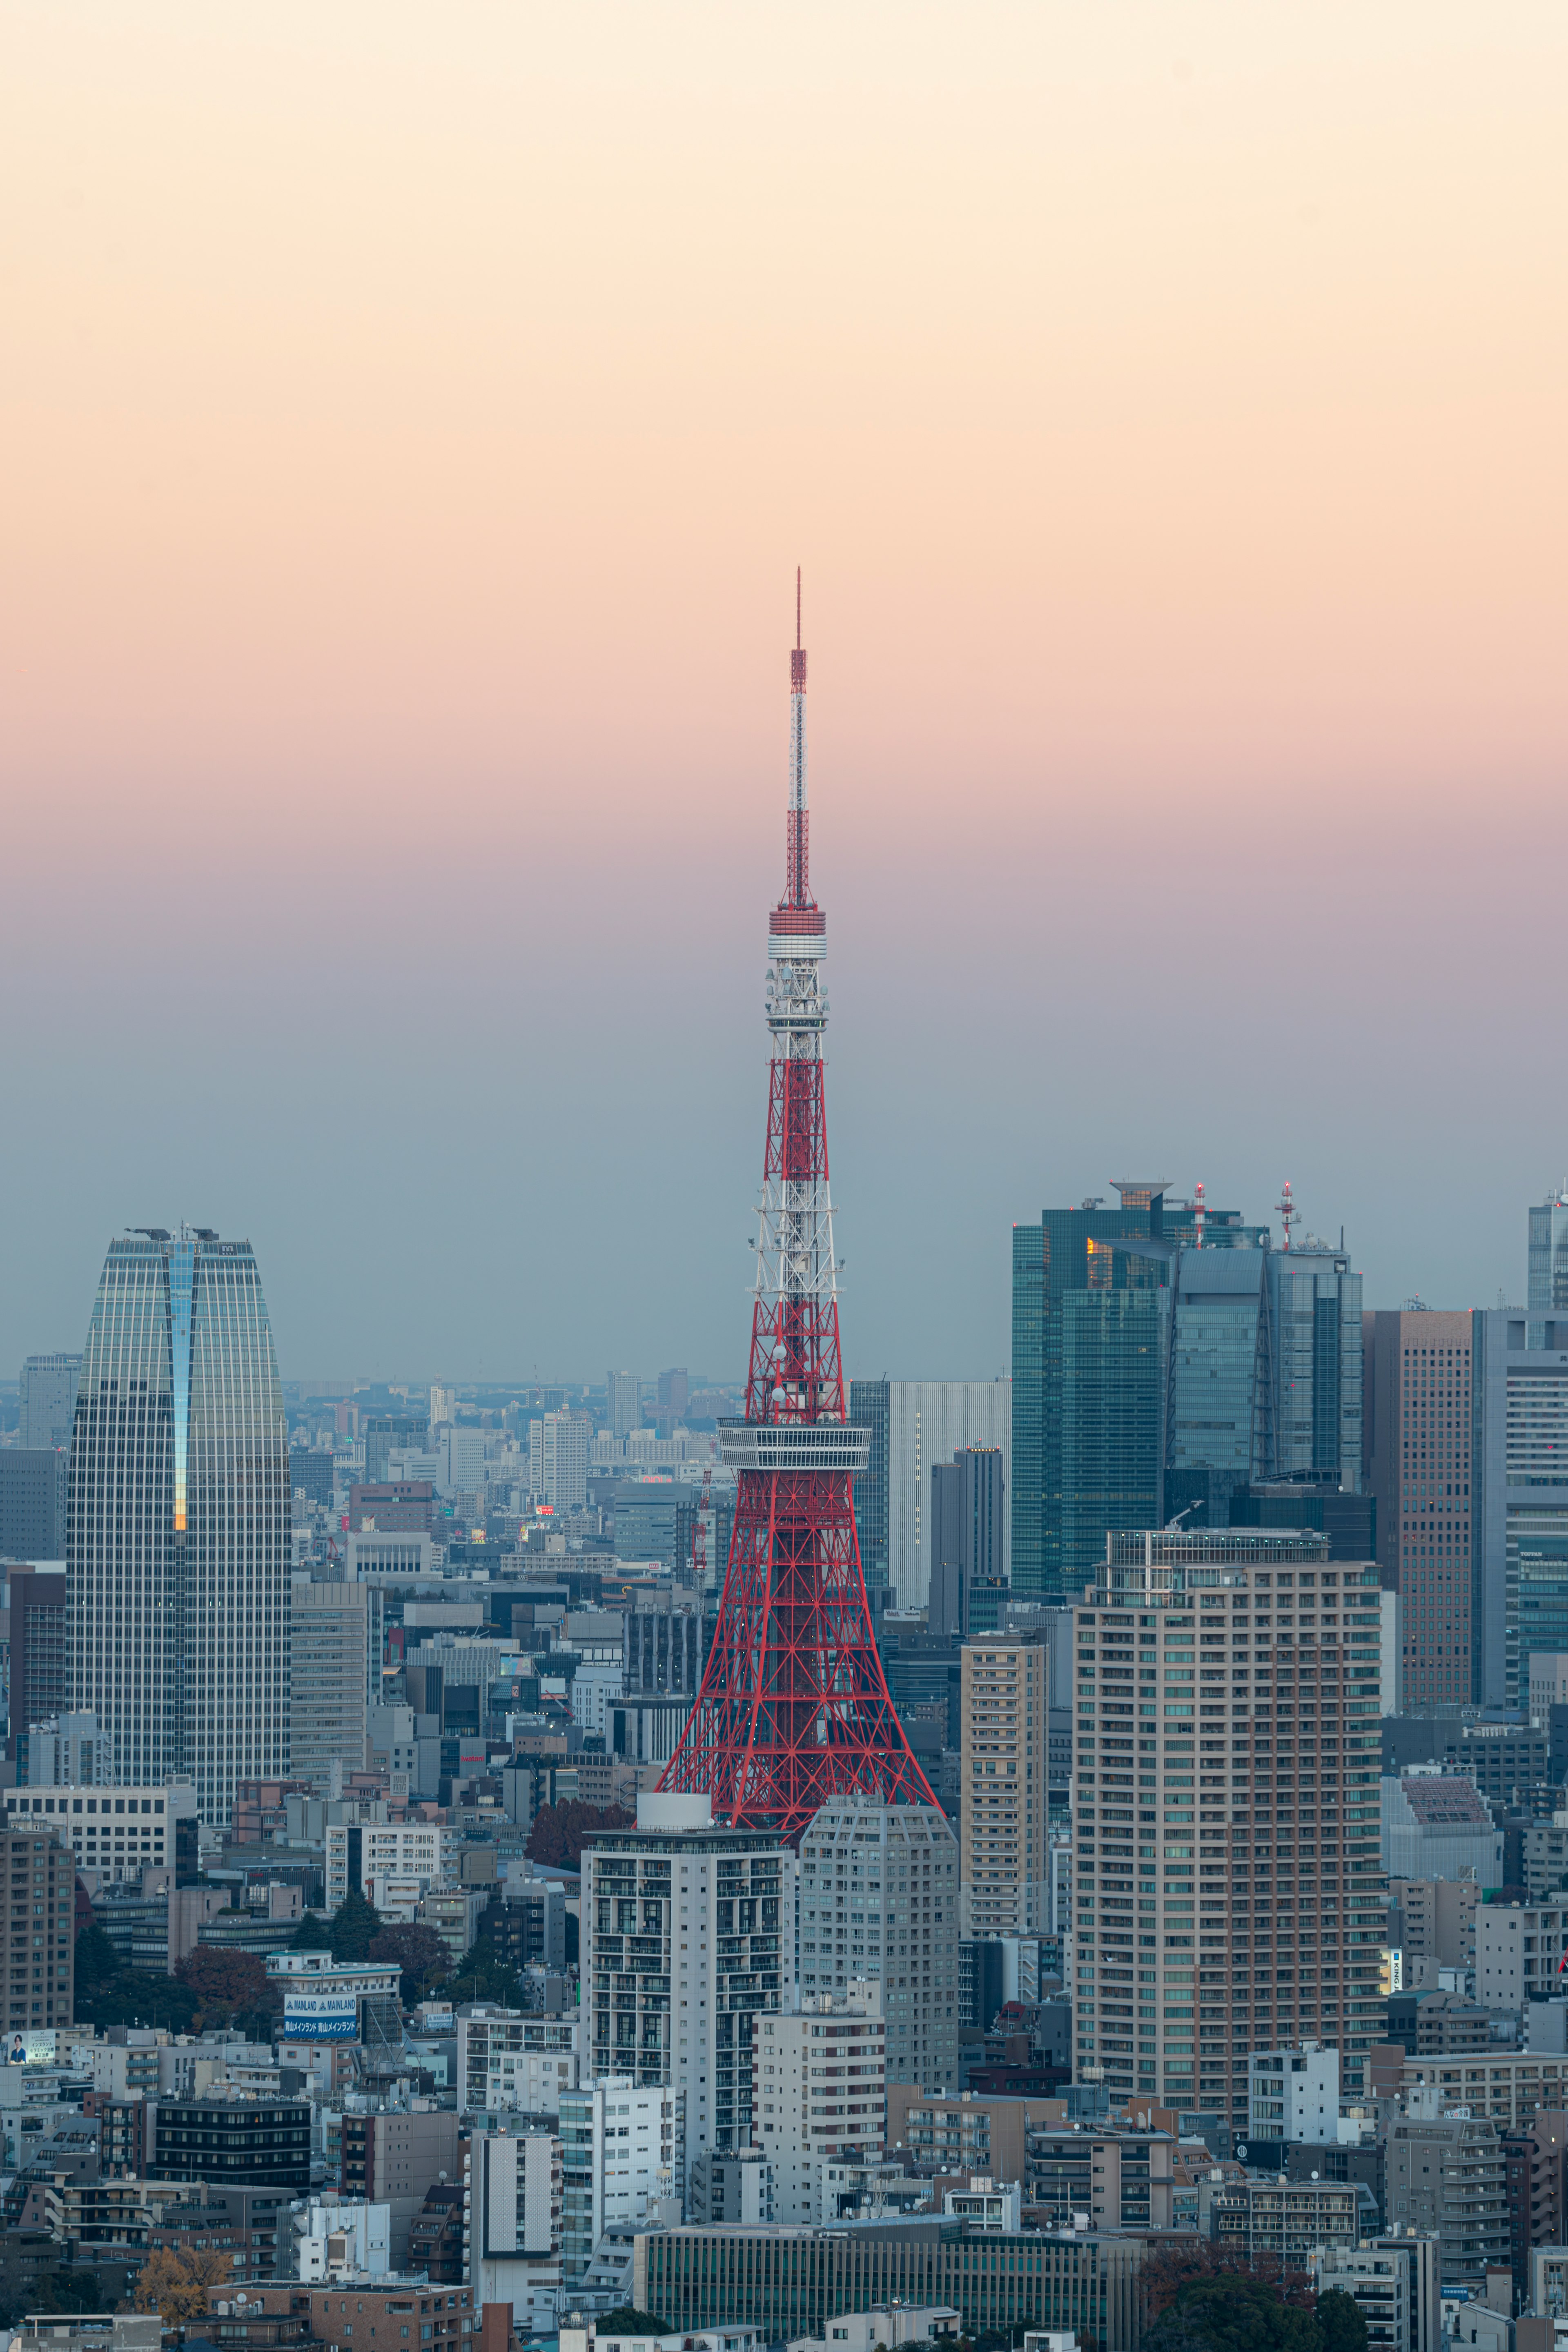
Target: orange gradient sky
[{"x": 413, "y": 418}]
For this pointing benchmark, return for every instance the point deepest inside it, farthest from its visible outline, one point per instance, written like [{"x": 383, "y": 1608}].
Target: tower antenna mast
[{"x": 795, "y": 1706}]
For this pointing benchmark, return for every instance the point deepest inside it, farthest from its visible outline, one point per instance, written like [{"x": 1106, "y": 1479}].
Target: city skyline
[{"x": 1152, "y": 666}]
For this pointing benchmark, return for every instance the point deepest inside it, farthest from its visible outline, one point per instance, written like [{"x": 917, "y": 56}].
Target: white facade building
[
  {"x": 1294, "y": 2093},
  {"x": 408, "y": 1852},
  {"x": 718, "y": 1906},
  {"x": 558, "y": 1459},
  {"x": 510, "y": 2061},
  {"x": 622, "y": 2155},
  {"x": 63, "y": 1750},
  {"x": 512, "y": 2217},
  {"x": 116, "y": 1832},
  {"x": 341, "y": 2237},
  {"x": 821, "y": 2091},
  {"x": 927, "y": 1422}
]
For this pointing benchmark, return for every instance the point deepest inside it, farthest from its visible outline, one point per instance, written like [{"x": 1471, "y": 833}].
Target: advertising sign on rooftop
[{"x": 325, "y": 2016}]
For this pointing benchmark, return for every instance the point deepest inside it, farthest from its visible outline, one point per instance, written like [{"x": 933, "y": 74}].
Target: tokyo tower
[{"x": 793, "y": 1706}]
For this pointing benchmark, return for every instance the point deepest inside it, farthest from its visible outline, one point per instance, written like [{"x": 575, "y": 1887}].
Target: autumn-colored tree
[
  {"x": 420, "y": 1953},
  {"x": 1174, "y": 2265},
  {"x": 228, "y": 1984},
  {"x": 558, "y": 1831},
  {"x": 176, "y": 2283}
]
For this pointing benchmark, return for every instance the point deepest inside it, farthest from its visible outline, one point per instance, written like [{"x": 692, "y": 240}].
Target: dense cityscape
[
  {"x": 706, "y": 1851},
  {"x": 548, "y": 1805}
]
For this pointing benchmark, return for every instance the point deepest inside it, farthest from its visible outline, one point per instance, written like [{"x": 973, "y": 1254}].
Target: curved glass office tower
[{"x": 177, "y": 1519}]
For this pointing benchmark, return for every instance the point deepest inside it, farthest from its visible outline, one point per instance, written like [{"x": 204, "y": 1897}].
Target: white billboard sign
[{"x": 321, "y": 2017}]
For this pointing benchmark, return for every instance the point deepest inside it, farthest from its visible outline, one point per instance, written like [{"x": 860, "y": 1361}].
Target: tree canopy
[
  {"x": 108, "y": 1992},
  {"x": 486, "y": 1976},
  {"x": 311, "y": 1935},
  {"x": 176, "y": 2283},
  {"x": 558, "y": 1831},
  {"x": 354, "y": 1927},
  {"x": 628, "y": 2322},
  {"x": 1234, "y": 2311},
  {"x": 231, "y": 1986},
  {"x": 420, "y": 1953}
]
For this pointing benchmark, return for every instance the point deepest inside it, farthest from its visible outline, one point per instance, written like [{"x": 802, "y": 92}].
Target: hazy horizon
[{"x": 419, "y": 420}]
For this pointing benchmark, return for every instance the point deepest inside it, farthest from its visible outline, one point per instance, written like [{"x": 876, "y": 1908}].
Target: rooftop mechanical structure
[{"x": 793, "y": 1706}]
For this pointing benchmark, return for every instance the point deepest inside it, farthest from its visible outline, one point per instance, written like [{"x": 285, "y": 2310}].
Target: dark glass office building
[{"x": 177, "y": 1520}]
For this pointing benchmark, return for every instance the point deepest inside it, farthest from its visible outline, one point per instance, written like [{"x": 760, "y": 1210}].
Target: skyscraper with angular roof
[{"x": 177, "y": 1519}]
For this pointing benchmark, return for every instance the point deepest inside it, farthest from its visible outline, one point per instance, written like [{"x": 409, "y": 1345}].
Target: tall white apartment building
[
  {"x": 927, "y": 1422},
  {"x": 1294, "y": 2093},
  {"x": 688, "y": 1941},
  {"x": 821, "y": 2092},
  {"x": 1004, "y": 1754},
  {"x": 397, "y": 1851},
  {"x": 622, "y": 2151},
  {"x": 558, "y": 1459},
  {"x": 512, "y": 2224},
  {"x": 878, "y": 1903}
]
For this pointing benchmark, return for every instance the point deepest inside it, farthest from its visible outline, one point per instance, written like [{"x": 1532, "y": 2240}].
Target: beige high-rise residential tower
[{"x": 1004, "y": 1701}]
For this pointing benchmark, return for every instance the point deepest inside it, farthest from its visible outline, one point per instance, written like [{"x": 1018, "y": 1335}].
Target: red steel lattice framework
[{"x": 793, "y": 1706}]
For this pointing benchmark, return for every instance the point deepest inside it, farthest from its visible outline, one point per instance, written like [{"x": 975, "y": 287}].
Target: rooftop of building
[{"x": 1440, "y": 1800}]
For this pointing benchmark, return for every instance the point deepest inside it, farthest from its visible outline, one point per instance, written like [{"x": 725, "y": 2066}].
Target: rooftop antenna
[
  {"x": 1198, "y": 1213},
  {"x": 1289, "y": 1214}
]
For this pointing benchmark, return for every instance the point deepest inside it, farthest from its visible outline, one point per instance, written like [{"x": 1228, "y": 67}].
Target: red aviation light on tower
[{"x": 795, "y": 1706}]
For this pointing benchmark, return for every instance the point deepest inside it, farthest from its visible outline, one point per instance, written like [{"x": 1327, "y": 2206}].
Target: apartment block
[
  {"x": 510, "y": 2060},
  {"x": 1434, "y": 1919},
  {"x": 1446, "y": 2173},
  {"x": 965, "y": 2132},
  {"x": 1511, "y": 2089},
  {"x": 879, "y": 1903},
  {"x": 38, "y": 1929},
  {"x": 356, "y": 1855},
  {"x": 1293, "y": 2094},
  {"x": 622, "y": 2151},
  {"x": 819, "y": 2092},
  {"x": 513, "y": 2212},
  {"x": 1229, "y": 1892},
  {"x": 688, "y": 1942},
  {"x": 1005, "y": 1704},
  {"x": 1397, "y": 2282},
  {"x": 1121, "y": 2179},
  {"x": 1534, "y": 2162},
  {"x": 1520, "y": 1951}
]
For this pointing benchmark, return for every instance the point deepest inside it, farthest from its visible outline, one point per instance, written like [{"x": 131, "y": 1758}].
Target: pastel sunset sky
[{"x": 412, "y": 420}]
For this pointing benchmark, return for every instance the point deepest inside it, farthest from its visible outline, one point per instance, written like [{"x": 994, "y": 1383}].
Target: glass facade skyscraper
[
  {"x": 177, "y": 1520},
  {"x": 1161, "y": 1366}
]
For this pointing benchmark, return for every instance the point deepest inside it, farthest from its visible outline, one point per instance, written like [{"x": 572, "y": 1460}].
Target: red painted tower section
[{"x": 793, "y": 1706}]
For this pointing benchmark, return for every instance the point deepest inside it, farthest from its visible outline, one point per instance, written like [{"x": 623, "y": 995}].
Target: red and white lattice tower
[{"x": 793, "y": 1706}]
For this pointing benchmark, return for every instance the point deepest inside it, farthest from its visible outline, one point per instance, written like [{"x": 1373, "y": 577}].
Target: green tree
[
  {"x": 558, "y": 1831},
  {"x": 311, "y": 1935},
  {"x": 354, "y": 1925},
  {"x": 1342, "y": 2322},
  {"x": 1234, "y": 2312},
  {"x": 485, "y": 1976},
  {"x": 627, "y": 2321},
  {"x": 420, "y": 1953},
  {"x": 97, "y": 1962}
]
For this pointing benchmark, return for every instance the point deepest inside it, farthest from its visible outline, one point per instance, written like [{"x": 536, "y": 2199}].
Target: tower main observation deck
[{"x": 795, "y": 1706}]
